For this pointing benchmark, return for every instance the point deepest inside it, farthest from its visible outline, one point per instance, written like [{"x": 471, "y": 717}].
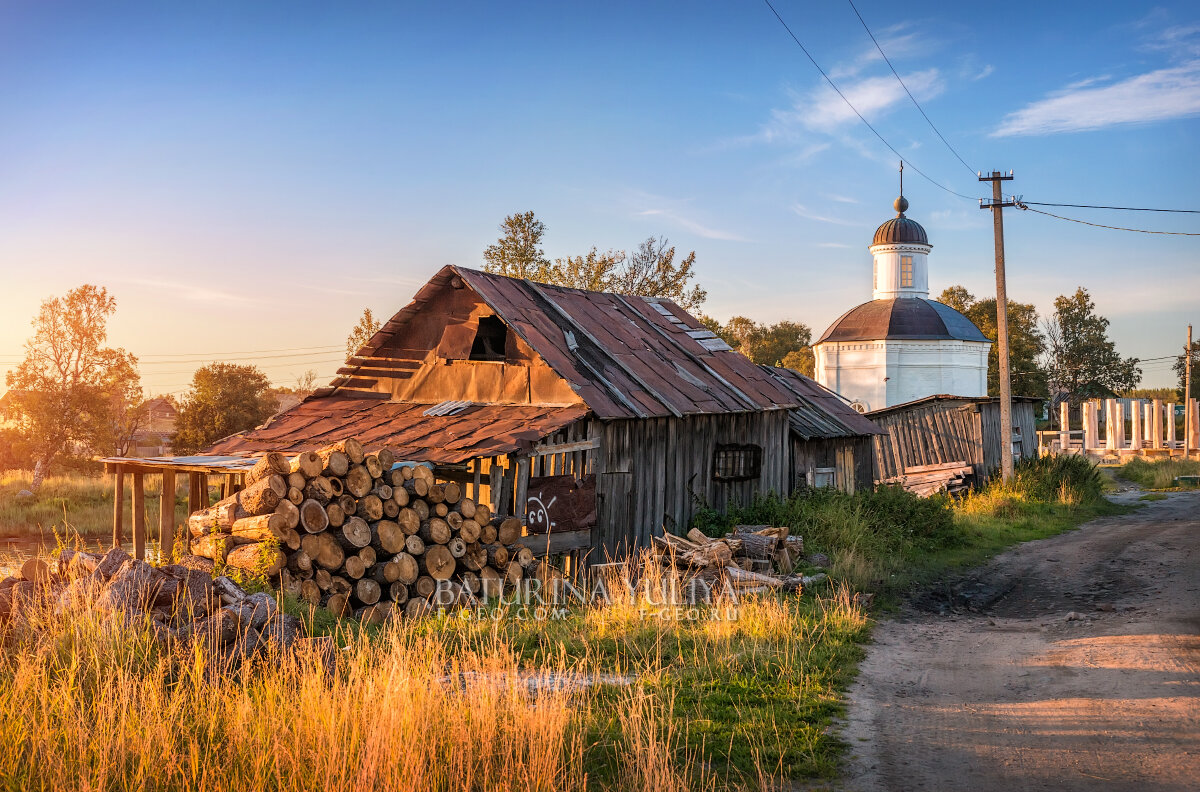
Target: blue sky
[{"x": 249, "y": 176}]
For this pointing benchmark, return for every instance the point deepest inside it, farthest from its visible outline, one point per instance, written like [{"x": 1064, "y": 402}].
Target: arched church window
[{"x": 906, "y": 271}]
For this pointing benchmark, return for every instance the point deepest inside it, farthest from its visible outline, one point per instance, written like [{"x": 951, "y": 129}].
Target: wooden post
[
  {"x": 1091, "y": 433},
  {"x": 1110, "y": 425},
  {"x": 522, "y": 498},
  {"x": 1120, "y": 433},
  {"x": 193, "y": 493},
  {"x": 139, "y": 516},
  {"x": 1193, "y": 423},
  {"x": 1189, "y": 423},
  {"x": 166, "y": 515},
  {"x": 477, "y": 484},
  {"x": 997, "y": 205},
  {"x": 1170, "y": 442},
  {"x": 118, "y": 505},
  {"x": 203, "y": 477},
  {"x": 495, "y": 484},
  {"x": 1135, "y": 424},
  {"x": 1064, "y": 426},
  {"x": 1156, "y": 425}
]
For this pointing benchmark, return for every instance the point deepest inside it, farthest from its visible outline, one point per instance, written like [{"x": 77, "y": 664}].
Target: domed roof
[
  {"x": 900, "y": 229},
  {"x": 902, "y": 317}
]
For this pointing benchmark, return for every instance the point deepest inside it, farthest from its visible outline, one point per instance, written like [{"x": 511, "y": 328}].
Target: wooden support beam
[
  {"x": 566, "y": 448},
  {"x": 118, "y": 505},
  {"x": 477, "y": 484},
  {"x": 203, "y": 491},
  {"x": 166, "y": 515},
  {"x": 1064, "y": 425},
  {"x": 522, "y": 498},
  {"x": 139, "y": 516},
  {"x": 1156, "y": 435},
  {"x": 1171, "y": 425},
  {"x": 193, "y": 493},
  {"x": 1135, "y": 425}
]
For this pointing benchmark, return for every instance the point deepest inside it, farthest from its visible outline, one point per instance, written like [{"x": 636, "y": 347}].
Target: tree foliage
[
  {"x": 784, "y": 343},
  {"x": 71, "y": 390},
  {"x": 651, "y": 270},
  {"x": 1080, "y": 357},
  {"x": 1180, "y": 367},
  {"x": 367, "y": 326},
  {"x": 224, "y": 398},
  {"x": 1026, "y": 344}
]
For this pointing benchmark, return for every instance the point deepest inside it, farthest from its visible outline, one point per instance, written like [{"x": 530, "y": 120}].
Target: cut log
[
  {"x": 313, "y": 517},
  {"x": 437, "y": 562},
  {"x": 309, "y": 592},
  {"x": 295, "y": 495},
  {"x": 358, "y": 481},
  {"x": 475, "y": 558},
  {"x": 297, "y": 480},
  {"x": 386, "y": 458},
  {"x": 263, "y": 496},
  {"x": 329, "y": 553},
  {"x": 336, "y": 486},
  {"x": 368, "y": 556},
  {"x": 441, "y": 510},
  {"x": 35, "y": 570},
  {"x": 416, "y": 608},
  {"x": 490, "y": 583},
  {"x": 260, "y": 528},
  {"x": 435, "y": 530},
  {"x": 355, "y": 533},
  {"x": 370, "y": 508},
  {"x": 424, "y": 587},
  {"x": 466, "y": 507},
  {"x": 323, "y": 578},
  {"x": 371, "y": 463},
  {"x": 455, "y": 519},
  {"x": 407, "y": 569},
  {"x": 307, "y": 464},
  {"x": 338, "y": 604},
  {"x": 340, "y": 585},
  {"x": 436, "y": 493},
  {"x": 353, "y": 568},
  {"x": 333, "y": 462},
  {"x": 421, "y": 508},
  {"x": 348, "y": 503},
  {"x": 385, "y": 574},
  {"x": 259, "y": 559},
  {"x": 290, "y": 512},
  {"x": 271, "y": 463},
  {"x": 396, "y": 477},
  {"x": 488, "y": 533},
  {"x": 388, "y": 537},
  {"x": 497, "y": 556},
  {"x": 382, "y": 491},
  {"x": 300, "y": 561},
  {"x": 522, "y": 555},
  {"x": 457, "y": 547},
  {"x": 291, "y": 540},
  {"x": 417, "y": 487},
  {"x": 337, "y": 517},
  {"x": 351, "y": 447},
  {"x": 483, "y": 513},
  {"x": 366, "y": 591},
  {"x": 409, "y": 521},
  {"x": 469, "y": 530},
  {"x": 414, "y": 545},
  {"x": 741, "y": 577},
  {"x": 512, "y": 573},
  {"x": 214, "y": 546},
  {"x": 390, "y": 509},
  {"x": 374, "y": 615},
  {"x": 470, "y": 582},
  {"x": 423, "y": 472},
  {"x": 319, "y": 489},
  {"x": 216, "y": 518},
  {"x": 400, "y": 496},
  {"x": 508, "y": 531},
  {"x": 398, "y": 592},
  {"x": 452, "y": 492}
]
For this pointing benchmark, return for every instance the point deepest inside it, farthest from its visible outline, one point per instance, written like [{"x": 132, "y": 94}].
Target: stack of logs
[
  {"x": 347, "y": 530},
  {"x": 751, "y": 558}
]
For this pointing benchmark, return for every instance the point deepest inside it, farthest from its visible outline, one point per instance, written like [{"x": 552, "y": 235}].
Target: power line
[
  {"x": 1023, "y": 205},
  {"x": 1121, "y": 208},
  {"x": 905, "y": 87},
  {"x": 833, "y": 85}
]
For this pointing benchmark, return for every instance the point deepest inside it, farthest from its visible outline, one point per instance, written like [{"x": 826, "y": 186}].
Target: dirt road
[{"x": 1068, "y": 663}]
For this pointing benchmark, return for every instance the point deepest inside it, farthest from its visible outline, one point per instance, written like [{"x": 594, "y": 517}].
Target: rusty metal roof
[
  {"x": 820, "y": 412},
  {"x": 407, "y": 428},
  {"x": 626, "y": 356}
]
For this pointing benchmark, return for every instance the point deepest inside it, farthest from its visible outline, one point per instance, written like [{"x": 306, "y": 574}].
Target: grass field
[
  {"x": 626, "y": 696},
  {"x": 1159, "y": 474}
]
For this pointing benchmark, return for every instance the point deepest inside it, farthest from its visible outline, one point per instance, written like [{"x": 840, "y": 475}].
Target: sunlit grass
[{"x": 1159, "y": 474}]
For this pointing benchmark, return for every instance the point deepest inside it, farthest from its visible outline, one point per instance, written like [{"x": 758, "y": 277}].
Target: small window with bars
[
  {"x": 737, "y": 462},
  {"x": 906, "y": 271}
]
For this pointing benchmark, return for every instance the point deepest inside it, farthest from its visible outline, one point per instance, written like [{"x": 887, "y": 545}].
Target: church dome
[
  {"x": 900, "y": 229},
  {"x": 903, "y": 318}
]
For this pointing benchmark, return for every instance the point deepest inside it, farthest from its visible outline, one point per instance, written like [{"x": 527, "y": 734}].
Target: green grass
[
  {"x": 75, "y": 505},
  {"x": 1153, "y": 496},
  {"x": 1159, "y": 474}
]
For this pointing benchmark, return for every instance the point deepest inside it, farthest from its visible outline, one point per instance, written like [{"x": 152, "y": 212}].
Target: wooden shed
[
  {"x": 598, "y": 418},
  {"x": 937, "y": 430}
]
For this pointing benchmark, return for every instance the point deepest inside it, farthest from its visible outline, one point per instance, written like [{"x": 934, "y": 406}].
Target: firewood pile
[
  {"x": 345, "y": 529},
  {"x": 953, "y": 478},
  {"x": 752, "y": 558},
  {"x": 182, "y": 603}
]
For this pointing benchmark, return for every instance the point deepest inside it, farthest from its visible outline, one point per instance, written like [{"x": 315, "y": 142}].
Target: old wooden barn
[
  {"x": 938, "y": 430},
  {"x": 600, "y": 419}
]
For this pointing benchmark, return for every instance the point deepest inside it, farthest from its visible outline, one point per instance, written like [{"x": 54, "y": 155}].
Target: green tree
[
  {"x": 649, "y": 271},
  {"x": 1026, "y": 344},
  {"x": 784, "y": 343},
  {"x": 367, "y": 326},
  {"x": 224, "y": 399},
  {"x": 518, "y": 253},
  {"x": 1080, "y": 357},
  {"x": 68, "y": 383},
  {"x": 1181, "y": 371}
]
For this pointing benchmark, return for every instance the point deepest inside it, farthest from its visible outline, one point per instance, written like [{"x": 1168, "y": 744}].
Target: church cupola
[{"x": 901, "y": 252}]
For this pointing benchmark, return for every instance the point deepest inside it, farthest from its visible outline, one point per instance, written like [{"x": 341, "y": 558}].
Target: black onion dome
[{"x": 902, "y": 317}]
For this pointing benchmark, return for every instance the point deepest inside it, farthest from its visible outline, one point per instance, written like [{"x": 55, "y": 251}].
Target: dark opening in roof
[{"x": 489, "y": 339}]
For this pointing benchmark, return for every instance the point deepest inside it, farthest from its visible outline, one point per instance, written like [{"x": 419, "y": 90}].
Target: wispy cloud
[
  {"x": 986, "y": 71},
  {"x": 804, "y": 212},
  {"x": 690, "y": 224},
  {"x": 194, "y": 293},
  {"x": 897, "y": 41},
  {"x": 841, "y": 198},
  {"x": 1159, "y": 95},
  {"x": 825, "y": 111},
  {"x": 831, "y": 245}
]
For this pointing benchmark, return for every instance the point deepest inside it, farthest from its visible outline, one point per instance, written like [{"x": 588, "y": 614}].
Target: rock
[
  {"x": 216, "y": 631},
  {"x": 282, "y": 631},
  {"x": 75, "y": 563},
  {"x": 819, "y": 560},
  {"x": 24, "y": 494},
  {"x": 136, "y": 586},
  {"x": 807, "y": 580},
  {"x": 195, "y": 596},
  {"x": 246, "y": 643},
  {"x": 111, "y": 563},
  {"x": 1104, "y": 606},
  {"x": 198, "y": 564},
  {"x": 9, "y": 582},
  {"x": 35, "y": 570},
  {"x": 229, "y": 591},
  {"x": 262, "y": 608},
  {"x": 1073, "y": 616}
]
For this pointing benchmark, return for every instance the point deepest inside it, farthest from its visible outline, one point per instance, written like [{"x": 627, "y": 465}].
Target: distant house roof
[
  {"x": 161, "y": 403},
  {"x": 819, "y": 411},
  {"x": 948, "y": 397},
  {"x": 626, "y": 357}
]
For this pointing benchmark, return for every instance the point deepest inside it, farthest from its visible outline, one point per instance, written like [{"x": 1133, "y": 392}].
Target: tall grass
[
  {"x": 1159, "y": 474},
  {"x": 1069, "y": 481}
]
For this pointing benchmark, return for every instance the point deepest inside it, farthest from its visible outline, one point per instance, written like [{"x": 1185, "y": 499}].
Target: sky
[{"x": 246, "y": 177}]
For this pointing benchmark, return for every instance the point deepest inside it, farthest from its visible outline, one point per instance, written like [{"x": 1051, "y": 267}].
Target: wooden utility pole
[
  {"x": 1187, "y": 395},
  {"x": 997, "y": 205}
]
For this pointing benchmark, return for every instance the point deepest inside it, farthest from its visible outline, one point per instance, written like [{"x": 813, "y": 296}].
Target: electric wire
[
  {"x": 837, "y": 90},
  {"x": 1120, "y": 208},
  {"x": 1024, "y": 205},
  {"x": 903, "y": 85}
]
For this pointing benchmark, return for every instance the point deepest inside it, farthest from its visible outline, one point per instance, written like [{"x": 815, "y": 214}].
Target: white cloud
[
  {"x": 986, "y": 71},
  {"x": 825, "y": 111},
  {"x": 804, "y": 212},
  {"x": 841, "y": 198},
  {"x": 1155, "y": 96},
  {"x": 200, "y": 294},
  {"x": 697, "y": 228}
]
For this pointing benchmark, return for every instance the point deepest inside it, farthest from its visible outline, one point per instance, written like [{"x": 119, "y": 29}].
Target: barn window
[
  {"x": 906, "y": 271},
  {"x": 737, "y": 462},
  {"x": 489, "y": 339}
]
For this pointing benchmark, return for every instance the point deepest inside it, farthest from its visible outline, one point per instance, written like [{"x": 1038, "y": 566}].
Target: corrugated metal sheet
[
  {"x": 476, "y": 430},
  {"x": 820, "y": 412}
]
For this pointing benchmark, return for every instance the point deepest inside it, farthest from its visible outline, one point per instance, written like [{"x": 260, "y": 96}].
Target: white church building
[{"x": 901, "y": 346}]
